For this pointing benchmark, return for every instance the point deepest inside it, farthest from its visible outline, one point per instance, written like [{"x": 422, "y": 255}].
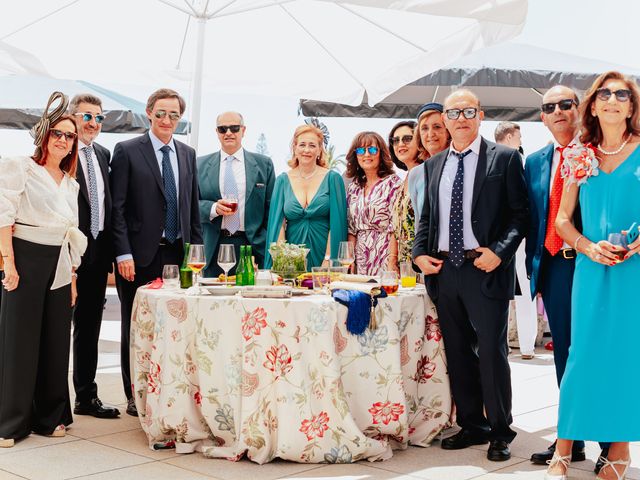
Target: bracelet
[
  {"x": 74, "y": 274},
  {"x": 575, "y": 244},
  {"x": 6, "y": 256}
]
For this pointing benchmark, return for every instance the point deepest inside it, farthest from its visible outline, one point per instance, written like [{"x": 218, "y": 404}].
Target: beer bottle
[
  {"x": 240, "y": 268},
  {"x": 186, "y": 274},
  {"x": 250, "y": 275}
]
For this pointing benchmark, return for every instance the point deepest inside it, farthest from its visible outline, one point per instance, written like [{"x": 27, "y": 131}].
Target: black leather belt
[
  {"x": 165, "y": 242},
  {"x": 468, "y": 254},
  {"x": 568, "y": 253},
  {"x": 226, "y": 233}
]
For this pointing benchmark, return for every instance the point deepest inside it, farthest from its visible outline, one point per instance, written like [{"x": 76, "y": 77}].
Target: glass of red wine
[
  {"x": 617, "y": 239},
  {"x": 231, "y": 201}
]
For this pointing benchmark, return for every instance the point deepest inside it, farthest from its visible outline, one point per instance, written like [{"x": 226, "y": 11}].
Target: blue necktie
[
  {"x": 170, "y": 195},
  {"x": 93, "y": 192},
  {"x": 456, "y": 231},
  {"x": 230, "y": 222}
]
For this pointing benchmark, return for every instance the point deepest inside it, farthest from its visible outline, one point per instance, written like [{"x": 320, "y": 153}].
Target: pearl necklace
[
  {"x": 307, "y": 177},
  {"x": 616, "y": 151}
]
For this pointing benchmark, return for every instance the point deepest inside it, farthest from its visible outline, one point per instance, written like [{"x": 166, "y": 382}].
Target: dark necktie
[
  {"x": 170, "y": 195},
  {"x": 456, "y": 232},
  {"x": 93, "y": 193}
]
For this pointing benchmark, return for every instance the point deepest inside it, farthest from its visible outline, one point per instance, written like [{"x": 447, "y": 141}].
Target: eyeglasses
[
  {"x": 87, "y": 117},
  {"x": 362, "y": 150},
  {"x": 563, "y": 105},
  {"x": 406, "y": 139},
  {"x": 454, "y": 113},
  {"x": 622, "y": 95},
  {"x": 222, "y": 129},
  {"x": 59, "y": 134},
  {"x": 173, "y": 116}
]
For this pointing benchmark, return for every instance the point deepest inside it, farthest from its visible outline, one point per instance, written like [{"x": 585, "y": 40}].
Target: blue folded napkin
[{"x": 359, "y": 306}]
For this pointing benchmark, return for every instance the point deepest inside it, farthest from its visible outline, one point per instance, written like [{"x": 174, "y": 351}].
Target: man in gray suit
[{"x": 234, "y": 173}]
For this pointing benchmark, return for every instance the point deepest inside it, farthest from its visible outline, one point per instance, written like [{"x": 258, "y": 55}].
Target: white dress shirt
[
  {"x": 444, "y": 195},
  {"x": 241, "y": 181},
  {"x": 99, "y": 180},
  {"x": 42, "y": 211}
]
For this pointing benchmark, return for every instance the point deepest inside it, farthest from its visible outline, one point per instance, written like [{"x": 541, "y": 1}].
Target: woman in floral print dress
[
  {"x": 370, "y": 199},
  {"x": 403, "y": 147}
]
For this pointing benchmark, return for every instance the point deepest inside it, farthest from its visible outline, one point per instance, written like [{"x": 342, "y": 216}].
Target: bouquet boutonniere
[{"x": 580, "y": 163}]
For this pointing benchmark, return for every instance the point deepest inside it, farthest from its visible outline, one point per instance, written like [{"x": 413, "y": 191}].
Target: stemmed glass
[
  {"x": 345, "y": 254},
  {"x": 196, "y": 260},
  {"x": 226, "y": 258}
]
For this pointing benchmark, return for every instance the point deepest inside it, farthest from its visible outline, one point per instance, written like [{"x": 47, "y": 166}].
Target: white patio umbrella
[
  {"x": 23, "y": 97},
  {"x": 333, "y": 50}
]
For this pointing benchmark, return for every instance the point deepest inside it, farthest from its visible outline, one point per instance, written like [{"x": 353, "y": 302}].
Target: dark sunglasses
[
  {"x": 87, "y": 117},
  {"x": 406, "y": 139},
  {"x": 563, "y": 105},
  {"x": 622, "y": 95},
  {"x": 454, "y": 113},
  {"x": 222, "y": 129},
  {"x": 59, "y": 134},
  {"x": 362, "y": 150},
  {"x": 172, "y": 115}
]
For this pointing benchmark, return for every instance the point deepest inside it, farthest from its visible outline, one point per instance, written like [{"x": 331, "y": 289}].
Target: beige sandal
[
  {"x": 558, "y": 460},
  {"x": 60, "y": 431},
  {"x": 6, "y": 442},
  {"x": 612, "y": 464}
]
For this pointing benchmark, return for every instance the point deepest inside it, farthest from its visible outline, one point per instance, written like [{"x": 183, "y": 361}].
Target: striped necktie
[{"x": 93, "y": 192}]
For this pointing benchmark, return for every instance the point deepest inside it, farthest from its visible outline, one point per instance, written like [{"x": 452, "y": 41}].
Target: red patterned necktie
[{"x": 552, "y": 241}]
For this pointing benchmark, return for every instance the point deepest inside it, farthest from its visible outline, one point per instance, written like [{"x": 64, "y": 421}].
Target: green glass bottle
[
  {"x": 240, "y": 276},
  {"x": 250, "y": 274},
  {"x": 186, "y": 274}
]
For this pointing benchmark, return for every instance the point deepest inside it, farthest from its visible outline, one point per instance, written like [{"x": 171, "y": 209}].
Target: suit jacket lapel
[
  {"x": 146, "y": 147},
  {"x": 485, "y": 161},
  {"x": 434, "y": 201},
  {"x": 545, "y": 178},
  {"x": 82, "y": 182},
  {"x": 212, "y": 171},
  {"x": 183, "y": 166},
  {"x": 251, "y": 174}
]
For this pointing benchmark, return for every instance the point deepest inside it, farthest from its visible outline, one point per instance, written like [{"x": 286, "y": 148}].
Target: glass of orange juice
[{"x": 407, "y": 275}]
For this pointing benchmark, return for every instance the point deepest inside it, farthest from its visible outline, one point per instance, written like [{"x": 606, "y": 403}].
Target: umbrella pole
[{"x": 197, "y": 84}]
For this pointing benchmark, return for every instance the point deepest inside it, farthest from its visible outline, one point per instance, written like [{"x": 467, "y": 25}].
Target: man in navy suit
[
  {"x": 550, "y": 268},
  {"x": 475, "y": 214},
  {"x": 94, "y": 214},
  {"x": 154, "y": 186}
]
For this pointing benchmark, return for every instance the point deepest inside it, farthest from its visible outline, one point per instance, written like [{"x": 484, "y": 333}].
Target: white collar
[{"x": 474, "y": 146}]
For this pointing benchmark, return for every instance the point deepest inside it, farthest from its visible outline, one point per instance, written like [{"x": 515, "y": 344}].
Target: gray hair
[
  {"x": 83, "y": 98},
  {"x": 235, "y": 113}
]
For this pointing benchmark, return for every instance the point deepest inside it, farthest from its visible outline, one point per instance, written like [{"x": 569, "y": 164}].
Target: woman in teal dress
[
  {"x": 601, "y": 385},
  {"x": 308, "y": 205}
]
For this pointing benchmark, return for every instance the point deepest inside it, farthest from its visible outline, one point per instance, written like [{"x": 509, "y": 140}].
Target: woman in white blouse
[{"x": 39, "y": 203}]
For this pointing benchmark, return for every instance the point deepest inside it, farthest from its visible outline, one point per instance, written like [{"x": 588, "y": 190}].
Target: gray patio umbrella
[
  {"x": 509, "y": 79},
  {"x": 22, "y": 98}
]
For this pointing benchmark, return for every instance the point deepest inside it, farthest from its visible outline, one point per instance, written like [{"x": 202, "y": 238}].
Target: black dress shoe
[
  {"x": 96, "y": 409},
  {"x": 543, "y": 458},
  {"x": 131, "y": 408},
  {"x": 600, "y": 463},
  {"x": 498, "y": 451},
  {"x": 463, "y": 439}
]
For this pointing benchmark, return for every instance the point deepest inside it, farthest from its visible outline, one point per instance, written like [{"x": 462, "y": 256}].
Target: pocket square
[{"x": 259, "y": 185}]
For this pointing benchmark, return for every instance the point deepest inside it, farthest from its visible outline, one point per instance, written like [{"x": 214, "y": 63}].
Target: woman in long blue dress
[
  {"x": 308, "y": 204},
  {"x": 601, "y": 385}
]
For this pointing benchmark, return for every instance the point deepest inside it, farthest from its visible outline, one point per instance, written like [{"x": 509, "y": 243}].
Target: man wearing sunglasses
[
  {"x": 94, "y": 213},
  {"x": 235, "y": 190},
  {"x": 154, "y": 186},
  {"x": 550, "y": 261},
  {"x": 474, "y": 216}
]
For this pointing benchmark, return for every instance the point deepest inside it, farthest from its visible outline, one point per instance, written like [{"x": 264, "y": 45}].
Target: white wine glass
[
  {"x": 196, "y": 260},
  {"x": 226, "y": 258},
  {"x": 346, "y": 254}
]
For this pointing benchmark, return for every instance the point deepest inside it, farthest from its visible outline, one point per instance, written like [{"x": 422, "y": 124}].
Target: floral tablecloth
[{"x": 269, "y": 378}]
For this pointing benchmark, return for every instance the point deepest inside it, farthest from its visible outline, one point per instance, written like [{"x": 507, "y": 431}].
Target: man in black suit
[
  {"x": 475, "y": 214},
  {"x": 94, "y": 212},
  {"x": 154, "y": 186}
]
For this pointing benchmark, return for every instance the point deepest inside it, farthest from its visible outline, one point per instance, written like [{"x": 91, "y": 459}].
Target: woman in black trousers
[{"x": 41, "y": 247}]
